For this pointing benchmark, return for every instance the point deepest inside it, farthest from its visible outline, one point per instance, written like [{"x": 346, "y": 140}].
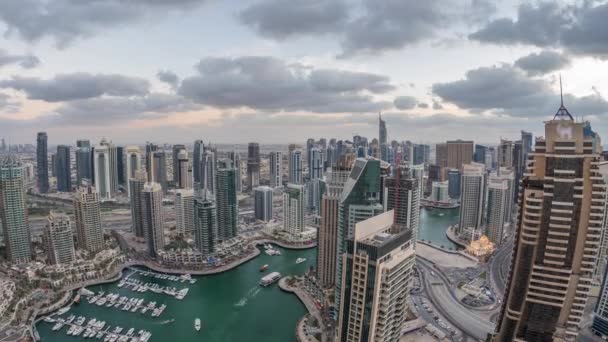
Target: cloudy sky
[{"x": 278, "y": 71}]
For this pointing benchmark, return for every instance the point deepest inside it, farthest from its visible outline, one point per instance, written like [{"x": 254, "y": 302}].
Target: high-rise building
[
  {"x": 377, "y": 277},
  {"x": 106, "y": 169},
  {"x": 473, "y": 191},
  {"x": 263, "y": 203},
  {"x": 454, "y": 183},
  {"x": 480, "y": 154},
  {"x": 13, "y": 211},
  {"x": 197, "y": 155},
  {"x": 208, "y": 171},
  {"x": 87, "y": 216},
  {"x": 53, "y": 165},
  {"x": 184, "y": 211},
  {"x": 133, "y": 161},
  {"x": 440, "y": 191},
  {"x": 497, "y": 204},
  {"x": 509, "y": 176},
  {"x": 159, "y": 169},
  {"x": 359, "y": 201},
  {"x": 236, "y": 161},
  {"x": 293, "y": 208},
  {"x": 441, "y": 155},
  {"x": 120, "y": 167},
  {"x": 295, "y": 167},
  {"x": 64, "y": 169},
  {"x": 153, "y": 218},
  {"x": 402, "y": 193},
  {"x": 276, "y": 169},
  {"x": 205, "y": 225},
  {"x": 421, "y": 154},
  {"x": 417, "y": 171},
  {"x": 505, "y": 153},
  {"x": 226, "y": 202},
  {"x": 382, "y": 135},
  {"x": 316, "y": 163},
  {"x": 184, "y": 172},
  {"x": 600, "y": 314},
  {"x": 175, "y": 160},
  {"x": 42, "y": 162},
  {"x": 562, "y": 203},
  {"x": 84, "y": 162},
  {"x": 253, "y": 166},
  {"x": 459, "y": 153},
  {"x": 136, "y": 186},
  {"x": 58, "y": 239},
  {"x": 327, "y": 234}
]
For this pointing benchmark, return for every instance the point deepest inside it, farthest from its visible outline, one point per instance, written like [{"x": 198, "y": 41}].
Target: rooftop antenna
[
  {"x": 562, "y": 112},
  {"x": 561, "y": 92}
]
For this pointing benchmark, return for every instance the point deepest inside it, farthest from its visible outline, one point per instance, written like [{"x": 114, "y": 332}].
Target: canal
[{"x": 433, "y": 224}]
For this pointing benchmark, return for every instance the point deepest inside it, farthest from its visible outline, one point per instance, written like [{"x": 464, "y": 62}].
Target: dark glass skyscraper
[
  {"x": 64, "y": 170},
  {"x": 120, "y": 165},
  {"x": 197, "y": 154},
  {"x": 175, "y": 160},
  {"x": 84, "y": 159},
  {"x": 42, "y": 162},
  {"x": 480, "y": 154},
  {"x": 227, "y": 205},
  {"x": 253, "y": 166}
]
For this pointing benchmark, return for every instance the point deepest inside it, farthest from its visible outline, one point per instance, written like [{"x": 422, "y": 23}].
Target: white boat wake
[{"x": 241, "y": 302}]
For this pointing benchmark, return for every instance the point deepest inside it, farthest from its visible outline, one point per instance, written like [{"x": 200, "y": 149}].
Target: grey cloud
[
  {"x": 405, "y": 102},
  {"x": 423, "y": 105},
  {"x": 25, "y": 61},
  {"x": 7, "y": 104},
  {"x": 506, "y": 89},
  {"x": 437, "y": 105},
  {"x": 65, "y": 87},
  {"x": 267, "y": 83},
  {"x": 280, "y": 19},
  {"x": 168, "y": 77},
  {"x": 543, "y": 62},
  {"x": 579, "y": 28},
  {"x": 109, "y": 110},
  {"x": 66, "y": 20}
]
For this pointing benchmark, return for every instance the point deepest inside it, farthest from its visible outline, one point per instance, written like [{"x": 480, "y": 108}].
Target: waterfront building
[
  {"x": 159, "y": 169},
  {"x": 316, "y": 163},
  {"x": 314, "y": 192},
  {"x": 454, "y": 183},
  {"x": 106, "y": 169},
  {"x": 150, "y": 149},
  {"x": 184, "y": 171},
  {"x": 184, "y": 211},
  {"x": 377, "y": 277},
  {"x": 136, "y": 186},
  {"x": 13, "y": 211},
  {"x": 226, "y": 201},
  {"x": 236, "y": 161},
  {"x": 441, "y": 155},
  {"x": 58, "y": 239},
  {"x": 481, "y": 247},
  {"x": 497, "y": 206},
  {"x": 359, "y": 201},
  {"x": 480, "y": 154},
  {"x": 417, "y": 171},
  {"x": 295, "y": 167},
  {"x": 440, "y": 192},
  {"x": 276, "y": 169},
  {"x": 473, "y": 187},
  {"x": 327, "y": 233},
  {"x": 505, "y": 153},
  {"x": 64, "y": 169},
  {"x": 562, "y": 201},
  {"x": 42, "y": 162},
  {"x": 197, "y": 156},
  {"x": 263, "y": 203},
  {"x": 153, "y": 217},
  {"x": 208, "y": 171},
  {"x": 175, "y": 159},
  {"x": 133, "y": 161},
  {"x": 87, "y": 216},
  {"x": 402, "y": 194},
  {"x": 84, "y": 159},
  {"x": 293, "y": 209},
  {"x": 602, "y": 259},
  {"x": 421, "y": 154},
  {"x": 459, "y": 153},
  {"x": 205, "y": 225},
  {"x": 509, "y": 176},
  {"x": 253, "y": 166}
]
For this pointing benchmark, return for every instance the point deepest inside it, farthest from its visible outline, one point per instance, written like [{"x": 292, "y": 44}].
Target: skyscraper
[
  {"x": 42, "y": 162},
  {"x": 58, "y": 239},
  {"x": 327, "y": 239},
  {"x": 377, "y": 276},
  {"x": 64, "y": 169},
  {"x": 84, "y": 159},
  {"x": 558, "y": 233},
  {"x": 136, "y": 186},
  {"x": 417, "y": 171},
  {"x": 440, "y": 191},
  {"x": 473, "y": 185},
  {"x": 253, "y": 166},
  {"x": 184, "y": 211},
  {"x": 153, "y": 218},
  {"x": 175, "y": 159},
  {"x": 316, "y": 163},
  {"x": 226, "y": 202},
  {"x": 159, "y": 169},
  {"x": 120, "y": 167},
  {"x": 133, "y": 161},
  {"x": 382, "y": 136},
  {"x": 205, "y": 225},
  {"x": 402, "y": 194},
  {"x": 497, "y": 204},
  {"x": 441, "y": 155},
  {"x": 505, "y": 153},
  {"x": 459, "y": 153},
  {"x": 480, "y": 154},
  {"x": 454, "y": 183},
  {"x": 184, "y": 172},
  {"x": 263, "y": 203},
  {"x": 208, "y": 171},
  {"x": 295, "y": 167},
  {"x": 87, "y": 215},
  {"x": 293, "y": 208},
  {"x": 236, "y": 161},
  {"x": 106, "y": 169},
  {"x": 197, "y": 155},
  {"x": 13, "y": 210},
  {"x": 150, "y": 149},
  {"x": 276, "y": 169}
]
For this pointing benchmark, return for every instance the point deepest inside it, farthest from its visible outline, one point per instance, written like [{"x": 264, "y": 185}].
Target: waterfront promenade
[{"x": 313, "y": 313}]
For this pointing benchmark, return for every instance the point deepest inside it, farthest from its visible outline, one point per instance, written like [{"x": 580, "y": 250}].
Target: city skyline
[{"x": 319, "y": 73}]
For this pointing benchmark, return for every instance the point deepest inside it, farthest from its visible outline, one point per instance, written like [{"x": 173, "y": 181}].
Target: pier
[{"x": 96, "y": 329}]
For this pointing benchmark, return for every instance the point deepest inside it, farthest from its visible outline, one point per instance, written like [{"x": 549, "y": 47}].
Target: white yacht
[
  {"x": 197, "y": 324},
  {"x": 300, "y": 260},
  {"x": 270, "y": 278}
]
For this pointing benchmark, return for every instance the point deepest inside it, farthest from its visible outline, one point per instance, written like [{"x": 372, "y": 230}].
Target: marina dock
[{"x": 92, "y": 328}]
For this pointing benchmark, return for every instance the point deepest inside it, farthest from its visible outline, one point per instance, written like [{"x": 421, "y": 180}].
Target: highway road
[{"x": 499, "y": 266}]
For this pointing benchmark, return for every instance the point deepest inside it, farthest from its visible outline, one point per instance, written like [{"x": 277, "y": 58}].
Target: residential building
[
  {"x": 184, "y": 171},
  {"x": 42, "y": 162},
  {"x": 236, "y": 161},
  {"x": 87, "y": 216},
  {"x": 480, "y": 154},
  {"x": 136, "y": 187},
  {"x": 153, "y": 218},
  {"x": 84, "y": 162},
  {"x": 454, "y": 183},
  {"x": 205, "y": 225},
  {"x": 473, "y": 191},
  {"x": 176, "y": 150},
  {"x": 440, "y": 192},
  {"x": 505, "y": 153},
  {"x": 197, "y": 155},
  {"x": 64, "y": 169},
  {"x": 106, "y": 169},
  {"x": 293, "y": 209},
  {"x": 263, "y": 203},
  {"x": 459, "y": 153},
  {"x": 253, "y": 166},
  {"x": 402, "y": 194},
  {"x": 497, "y": 205},
  {"x": 295, "y": 167},
  {"x": 13, "y": 211},
  {"x": 184, "y": 211},
  {"x": 133, "y": 163},
  {"x": 226, "y": 201},
  {"x": 58, "y": 239},
  {"x": 276, "y": 169}
]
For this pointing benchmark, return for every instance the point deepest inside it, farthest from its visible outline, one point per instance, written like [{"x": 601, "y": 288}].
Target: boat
[
  {"x": 270, "y": 278},
  {"x": 63, "y": 310},
  {"x": 197, "y": 324},
  {"x": 77, "y": 299},
  {"x": 300, "y": 260},
  {"x": 264, "y": 268}
]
